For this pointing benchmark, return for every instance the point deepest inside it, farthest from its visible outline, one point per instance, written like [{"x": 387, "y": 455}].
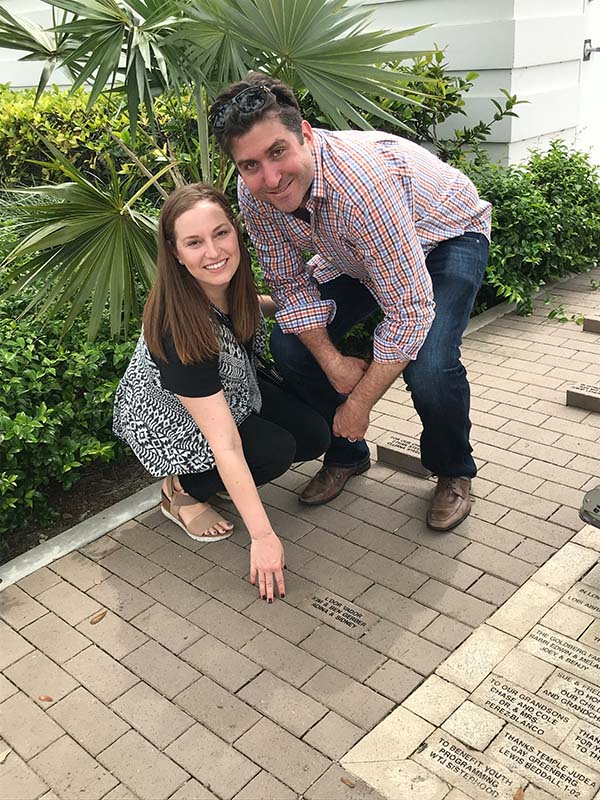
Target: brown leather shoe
[
  {"x": 451, "y": 503},
  {"x": 329, "y": 482}
]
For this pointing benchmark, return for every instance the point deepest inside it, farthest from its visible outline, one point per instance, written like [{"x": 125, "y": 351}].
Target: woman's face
[{"x": 206, "y": 243}]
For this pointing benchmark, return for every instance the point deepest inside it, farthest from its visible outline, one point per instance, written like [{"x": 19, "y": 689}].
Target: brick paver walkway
[{"x": 190, "y": 687}]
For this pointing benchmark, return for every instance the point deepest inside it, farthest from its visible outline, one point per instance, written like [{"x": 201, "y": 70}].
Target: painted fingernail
[
  {"x": 263, "y": 597},
  {"x": 270, "y": 600},
  {"x": 282, "y": 596},
  {"x": 285, "y": 566}
]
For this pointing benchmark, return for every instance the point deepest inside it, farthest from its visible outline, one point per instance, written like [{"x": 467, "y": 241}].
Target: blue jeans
[{"x": 436, "y": 379}]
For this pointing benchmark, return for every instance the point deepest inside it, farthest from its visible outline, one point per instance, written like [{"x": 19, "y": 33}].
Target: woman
[{"x": 190, "y": 404}]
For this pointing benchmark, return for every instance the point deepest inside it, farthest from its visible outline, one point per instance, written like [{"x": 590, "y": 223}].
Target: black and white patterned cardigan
[{"x": 157, "y": 426}]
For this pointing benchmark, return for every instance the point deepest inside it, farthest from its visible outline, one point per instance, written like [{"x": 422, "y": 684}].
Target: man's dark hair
[{"x": 280, "y": 102}]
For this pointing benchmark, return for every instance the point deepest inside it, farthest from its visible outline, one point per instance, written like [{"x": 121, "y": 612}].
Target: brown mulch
[{"x": 100, "y": 486}]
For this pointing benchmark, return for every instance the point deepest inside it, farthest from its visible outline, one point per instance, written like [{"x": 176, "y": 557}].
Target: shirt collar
[{"x": 318, "y": 185}]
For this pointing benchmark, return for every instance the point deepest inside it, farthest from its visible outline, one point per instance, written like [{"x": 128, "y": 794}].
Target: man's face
[{"x": 275, "y": 167}]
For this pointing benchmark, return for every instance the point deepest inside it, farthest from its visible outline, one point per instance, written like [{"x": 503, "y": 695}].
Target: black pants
[{"x": 285, "y": 431}]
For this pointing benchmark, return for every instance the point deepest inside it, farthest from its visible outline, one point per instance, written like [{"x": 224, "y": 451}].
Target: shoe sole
[
  {"x": 219, "y": 538},
  {"x": 337, "y": 494}
]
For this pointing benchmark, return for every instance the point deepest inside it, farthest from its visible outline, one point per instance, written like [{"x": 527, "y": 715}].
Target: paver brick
[
  {"x": 68, "y": 602},
  {"x": 120, "y": 792},
  {"x": 455, "y": 604},
  {"x": 382, "y": 542},
  {"x": 442, "y": 567},
  {"x": 142, "y": 768},
  {"x": 212, "y": 762},
  {"x": 332, "y": 547},
  {"x": 18, "y": 609},
  {"x": 101, "y": 674},
  {"x": 473, "y": 725},
  {"x": 228, "y": 588},
  {"x": 166, "y": 627},
  {"x": 192, "y": 790},
  {"x": 138, "y": 537},
  {"x": 525, "y": 608},
  {"x": 71, "y": 772},
  {"x": 499, "y": 564},
  {"x": 394, "y": 680},
  {"x": 113, "y": 634},
  {"x": 175, "y": 593},
  {"x": 14, "y": 646},
  {"x": 405, "y": 647},
  {"x": 37, "y": 676},
  {"x": 7, "y": 689},
  {"x": 402, "y": 610},
  {"x": 55, "y": 638},
  {"x": 180, "y": 561},
  {"x": 17, "y": 780},
  {"x": 477, "y": 657},
  {"x": 389, "y": 573},
  {"x": 446, "y": 632},
  {"x": 286, "y": 660},
  {"x": 156, "y": 718},
  {"x": 152, "y": 518},
  {"x": 26, "y": 727},
  {"x": 216, "y": 708},
  {"x": 283, "y": 619},
  {"x": 417, "y": 531},
  {"x": 38, "y": 581},
  {"x": 88, "y": 721},
  {"x": 521, "y": 501},
  {"x": 162, "y": 670},
  {"x": 524, "y": 669},
  {"x": 534, "y": 528},
  {"x": 560, "y": 494},
  {"x": 97, "y": 550},
  {"x": 263, "y": 786},
  {"x": 566, "y": 567},
  {"x": 393, "y": 740},
  {"x": 229, "y": 555},
  {"x": 130, "y": 566},
  {"x": 217, "y": 660},
  {"x": 333, "y": 735},
  {"x": 79, "y": 570},
  {"x": 284, "y": 704},
  {"x": 331, "y": 787},
  {"x": 225, "y": 624},
  {"x": 542, "y": 452},
  {"x": 500, "y": 456},
  {"x": 533, "y": 552},
  {"x": 567, "y": 518},
  {"x": 284, "y": 756},
  {"x": 569, "y": 621},
  {"x": 375, "y": 514},
  {"x": 338, "y": 579},
  {"x": 435, "y": 700},
  {"x": 343, "y": 653},
  {"x": 513, "y": 478},
  {"x": 121, "y": 597}
]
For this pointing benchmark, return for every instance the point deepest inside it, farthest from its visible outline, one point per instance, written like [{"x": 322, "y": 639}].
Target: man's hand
[
  {"x": 345, "y": 372},
  {"x": 351, "y": 420}
]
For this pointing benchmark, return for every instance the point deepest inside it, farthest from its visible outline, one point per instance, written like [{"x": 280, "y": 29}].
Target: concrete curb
[{"x": 80, "y": 535}]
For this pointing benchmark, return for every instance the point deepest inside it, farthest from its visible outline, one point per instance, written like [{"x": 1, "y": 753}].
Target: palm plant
[{"x": 136, "y": 49}]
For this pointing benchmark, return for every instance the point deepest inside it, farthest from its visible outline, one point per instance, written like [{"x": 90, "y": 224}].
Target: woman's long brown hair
[{"x": 177, "y": 304}]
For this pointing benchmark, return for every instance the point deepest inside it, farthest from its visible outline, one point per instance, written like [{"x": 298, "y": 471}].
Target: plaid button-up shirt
[{"x": 378, "y": 204}]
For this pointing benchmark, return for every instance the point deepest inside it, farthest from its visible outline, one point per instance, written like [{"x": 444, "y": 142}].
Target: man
[{"x": 391, "y": 227}]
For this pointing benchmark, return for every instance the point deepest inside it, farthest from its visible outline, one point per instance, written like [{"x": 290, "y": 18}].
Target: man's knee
[{"x": 431, "y": 380}]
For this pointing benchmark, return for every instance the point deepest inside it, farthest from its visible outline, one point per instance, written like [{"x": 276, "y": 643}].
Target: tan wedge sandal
[{"x": 198, "y": 527}]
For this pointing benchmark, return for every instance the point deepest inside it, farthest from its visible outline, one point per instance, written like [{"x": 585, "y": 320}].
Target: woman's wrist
[{"x": 257, "y": 536}]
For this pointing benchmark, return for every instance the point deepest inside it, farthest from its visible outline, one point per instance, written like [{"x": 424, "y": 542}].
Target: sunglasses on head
[{"x": 249, "y": 100}]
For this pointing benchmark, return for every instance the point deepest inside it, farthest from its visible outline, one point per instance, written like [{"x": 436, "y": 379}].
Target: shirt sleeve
[
  {"x": 296, "y": 294},
  {"x": 396, "y": 272},
  {"x": 188, "y": 380}
]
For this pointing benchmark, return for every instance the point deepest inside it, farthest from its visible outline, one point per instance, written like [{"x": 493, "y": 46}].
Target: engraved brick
[
  {"x": 435, "y": 700},
  {"x": 591, "y": 324},
  {"x": 26, "y": 727},
  {"x": 455, "y": 604},
  {"x": 402, "y": 453},
  {"x": 394, "y": 680},
  {"x": 477, "y": 657},
  {"x": 101, "y": 674},
  {"x": 71, "y": 772},
  {"x": 584, "y": 395},
  {"x": 143, "y": 768},
  {"x": 55, "y": 638},
  {"x": 88, "y": 721},
  {"x": 165, "y": 626},
  {"x": 282, "y": 703},
  {"x": 405, "y": 647},
  {"x": 284, "y": 659},
  {"x": 333, "y": 735},
  {"x": 564, "y": 652},
  {"x": 212, "y": 761},
  {"x": 215, "y": 659},
  {"x": 473, "y": 726}
]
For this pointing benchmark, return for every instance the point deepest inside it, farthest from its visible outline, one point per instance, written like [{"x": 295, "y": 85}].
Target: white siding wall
[{"x": 532, "y": 48}]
